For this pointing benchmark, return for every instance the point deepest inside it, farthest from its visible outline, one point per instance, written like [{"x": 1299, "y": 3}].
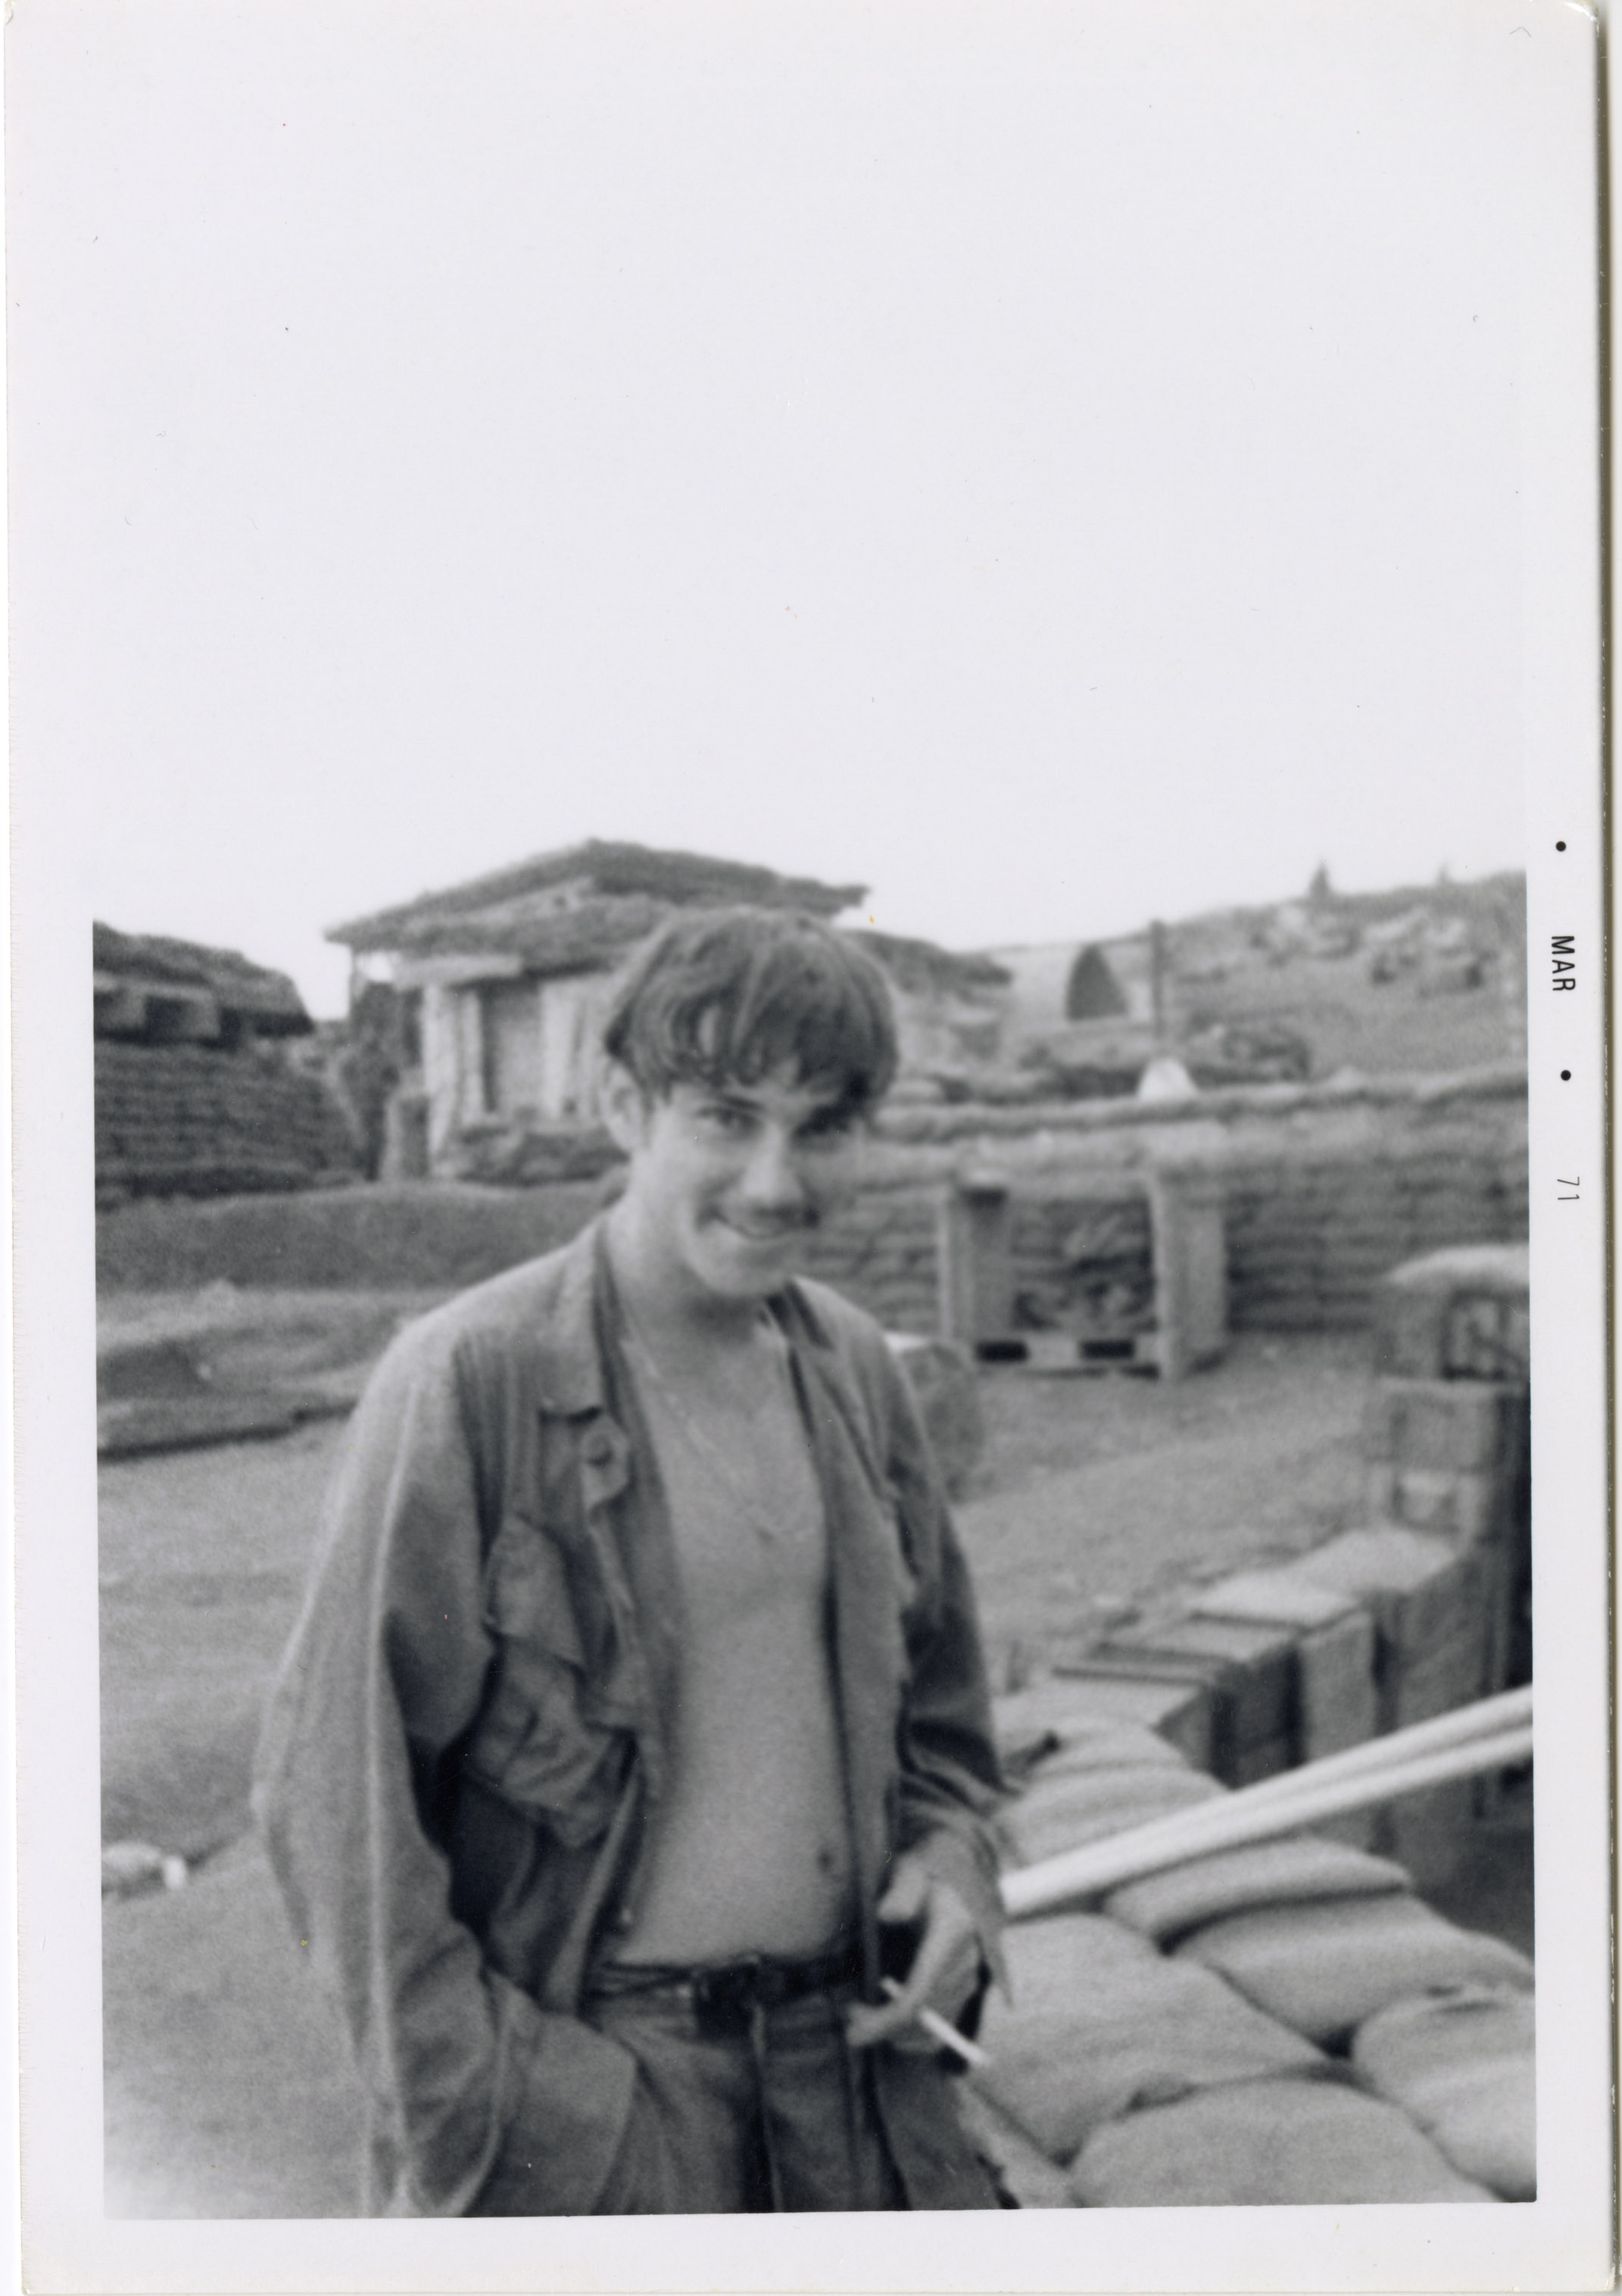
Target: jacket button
[{"x": 597, "y": 1447}]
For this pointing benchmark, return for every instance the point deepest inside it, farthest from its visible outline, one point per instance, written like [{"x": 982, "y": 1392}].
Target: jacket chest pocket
[{"x": 550, "y": 1738}]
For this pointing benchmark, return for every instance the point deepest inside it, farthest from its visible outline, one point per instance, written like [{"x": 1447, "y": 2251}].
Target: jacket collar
[{"x": 570, "y": 1338}]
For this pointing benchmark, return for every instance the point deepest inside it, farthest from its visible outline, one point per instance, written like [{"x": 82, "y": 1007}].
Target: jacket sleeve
[
  {"x": 465, "y": 2074},
  {"x": 951, "y": 1779}
]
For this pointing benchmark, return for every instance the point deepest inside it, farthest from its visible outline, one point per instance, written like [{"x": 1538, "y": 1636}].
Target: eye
[
  {"x": 829, "y": 1127},
  {"x": 726, "y": 1117}
]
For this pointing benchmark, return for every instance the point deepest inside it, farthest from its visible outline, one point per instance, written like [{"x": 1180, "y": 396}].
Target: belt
[
  {"x": 735, "y": 1998},
  {"x": 725, "y": 1995}
]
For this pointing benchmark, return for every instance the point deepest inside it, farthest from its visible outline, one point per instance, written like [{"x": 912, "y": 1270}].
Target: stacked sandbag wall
[
  {"x": 194, "y": 1120},
  {"x": 880, "y": 1251},
  {"x": 1324, "y": 1188},
  {"x": 1310, "y": 1236},
  {"x": 1285, "y": 2024}
]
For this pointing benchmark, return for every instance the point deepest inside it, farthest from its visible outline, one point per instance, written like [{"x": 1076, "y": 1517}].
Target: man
[{"x": 634, "y": 1731}]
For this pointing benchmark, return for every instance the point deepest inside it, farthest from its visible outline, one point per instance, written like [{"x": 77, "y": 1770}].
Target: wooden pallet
[{"x": 1063, "y": 1354}]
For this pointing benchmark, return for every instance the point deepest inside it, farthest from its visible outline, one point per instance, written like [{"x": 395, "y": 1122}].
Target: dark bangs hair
[{"x": 740, "y": 993}]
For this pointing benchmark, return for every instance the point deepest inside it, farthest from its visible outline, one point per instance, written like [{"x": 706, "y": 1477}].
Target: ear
[{"x": 623, "y": 1106}]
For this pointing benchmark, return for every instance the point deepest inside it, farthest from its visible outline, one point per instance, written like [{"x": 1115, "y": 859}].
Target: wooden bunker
[{"x": 1139, "y": 1282}]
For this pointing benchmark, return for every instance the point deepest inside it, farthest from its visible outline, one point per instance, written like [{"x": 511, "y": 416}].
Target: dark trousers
[{"x": 768, "y": 2111}]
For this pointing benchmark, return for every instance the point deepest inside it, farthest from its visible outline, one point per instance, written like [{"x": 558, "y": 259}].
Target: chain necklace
[{"x": 700, "y": 1445}]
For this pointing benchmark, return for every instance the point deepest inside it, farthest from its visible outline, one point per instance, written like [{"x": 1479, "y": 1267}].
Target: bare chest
[{"x": 744, "y": 1503}]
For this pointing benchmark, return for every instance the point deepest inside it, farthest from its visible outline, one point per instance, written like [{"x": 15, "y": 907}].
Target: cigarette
[{"x": 938, "y": 2030}]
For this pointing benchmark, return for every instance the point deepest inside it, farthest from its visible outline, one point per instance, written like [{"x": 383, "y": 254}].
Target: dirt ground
[
  {"x": 1099, "y": 1490},
  {"x": 225, "y": 2089}
]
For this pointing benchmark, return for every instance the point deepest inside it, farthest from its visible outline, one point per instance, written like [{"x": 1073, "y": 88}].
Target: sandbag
[
  {"x": 1068, "y": 1709},
  {"x": 1463, "y": 2064},
  {"x": 1100, "y": 2021},
  {"x": 1021, "y": 2167},
  {"x": 1450, "y": 2026},
  {"x": 1263, "y": 2144},
  {"x": 1061, "y": 1811},
  {"x": 1325, "y": 1968},
  {"x": 1299, "y": 1870}
]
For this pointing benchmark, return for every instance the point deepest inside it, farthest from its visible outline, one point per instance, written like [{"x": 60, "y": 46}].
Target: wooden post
[
  {"x": 1191, "y": 1272},
  {"x": 975, "y": 1241}
]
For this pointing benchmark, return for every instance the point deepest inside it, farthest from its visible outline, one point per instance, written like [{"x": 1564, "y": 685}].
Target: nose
[{"x": 772, "y": 1180}]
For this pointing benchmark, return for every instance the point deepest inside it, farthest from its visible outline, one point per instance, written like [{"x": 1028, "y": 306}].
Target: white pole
[
  {"x": 1510, "y": 1709},
  {"x": 1238, "y": 1821},
  {"x": 1383, "y": 1756}
]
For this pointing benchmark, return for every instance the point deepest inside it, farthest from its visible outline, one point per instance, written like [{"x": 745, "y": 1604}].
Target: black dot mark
[
  {"x": 1565, "y": 1076},
  {"x": 1560, "y": 844}
]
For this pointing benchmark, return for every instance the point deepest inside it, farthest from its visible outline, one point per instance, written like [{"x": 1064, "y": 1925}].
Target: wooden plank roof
[{"x": 606, "y": 869}]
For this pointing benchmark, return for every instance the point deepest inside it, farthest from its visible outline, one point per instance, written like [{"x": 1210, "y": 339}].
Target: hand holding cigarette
[
  {"x": 942, "y": 1946},
  {"x": 938, "y": 2030}
]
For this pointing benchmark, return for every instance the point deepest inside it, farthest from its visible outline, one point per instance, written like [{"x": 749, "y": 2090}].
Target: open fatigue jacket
[{"x": 471, "y": 1724}]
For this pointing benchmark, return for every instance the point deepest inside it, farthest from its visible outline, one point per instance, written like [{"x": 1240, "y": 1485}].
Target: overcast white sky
[{"x": 1054, "y": 465}]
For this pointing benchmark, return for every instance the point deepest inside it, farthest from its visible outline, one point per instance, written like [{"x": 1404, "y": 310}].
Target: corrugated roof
[{"x": 682, "y": 879}]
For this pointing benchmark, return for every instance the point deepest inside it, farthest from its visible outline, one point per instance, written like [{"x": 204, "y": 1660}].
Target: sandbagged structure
[
  {"x": 1266, "y": 2143},
  {"x": 1101, "y": 2025},
  {"x": 1286, "y": 2023},
  {"x": 1326, "y": 1969},
  {"x": 1461, "y": 2062}
]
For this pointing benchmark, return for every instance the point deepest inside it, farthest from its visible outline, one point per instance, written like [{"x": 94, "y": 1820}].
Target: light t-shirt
[{"x": 748, "y": 1851}]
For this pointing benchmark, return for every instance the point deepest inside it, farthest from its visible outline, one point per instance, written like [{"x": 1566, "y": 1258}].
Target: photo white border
[{"x": 1562, "y": 2239}]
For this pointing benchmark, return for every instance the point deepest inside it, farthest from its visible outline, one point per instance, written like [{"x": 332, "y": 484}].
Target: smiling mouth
[{"x": 763, "y": 1232}]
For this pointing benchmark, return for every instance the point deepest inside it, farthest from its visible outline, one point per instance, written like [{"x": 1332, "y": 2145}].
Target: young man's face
[{"x": 726, "y": 1182}]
